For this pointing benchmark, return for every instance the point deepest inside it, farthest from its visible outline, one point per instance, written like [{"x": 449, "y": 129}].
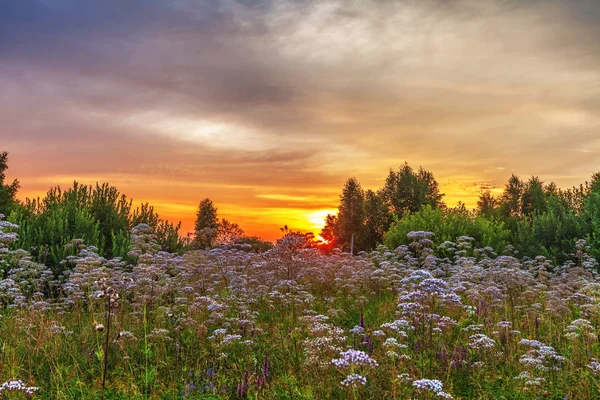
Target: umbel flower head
[
  {"x": 354, "y": 358},
  {"x": 432, "y": 385}
]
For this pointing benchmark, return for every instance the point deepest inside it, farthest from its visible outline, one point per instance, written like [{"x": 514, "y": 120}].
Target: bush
[{"x": 448, "y": 225}]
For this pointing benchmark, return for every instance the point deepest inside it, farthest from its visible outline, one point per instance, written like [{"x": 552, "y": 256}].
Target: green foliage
[
  {"x": 45, "y": 228},
  {"x": 364, "y": 217},
  {"x": 406, "y": 191},
  {"x": 99, "y": 215},
  {"x": 533, "y": 199},
  {"x": 511, "y": 200},
  {"x": 8, "y": 192},
  {"x": 167, "y": 233},
  {"x": 448, "y": 225},
  {"x": 486, "y": 205},
  {"x": 377, "y": 220},
  {"x": 591, "y": 219},
  {"x": 351, "y": 212},
  {"x": 552, "y": 233}
]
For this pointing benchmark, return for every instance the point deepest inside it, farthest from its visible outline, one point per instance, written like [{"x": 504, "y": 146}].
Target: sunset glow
[{"x": 267, "y": 107}]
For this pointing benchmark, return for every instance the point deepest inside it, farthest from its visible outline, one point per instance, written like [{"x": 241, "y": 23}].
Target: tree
[
  {"x": 228, "y": 232},
  {"x": 207, "y": 225},
  {"x": 511, "y": 197},
  {"x": 377, "y": 219},
  {"x": 8, "y": 192},
  {"x": 533, "y": 199},
  {"x": 486, "y": 206},
  {"x": 351, "y": 212},
  {"x": 594, "y": 184},
  {"x": 329, "y": 231},
  {"x": 167, "y": 233},
  {"x": 406, "y": 191}
]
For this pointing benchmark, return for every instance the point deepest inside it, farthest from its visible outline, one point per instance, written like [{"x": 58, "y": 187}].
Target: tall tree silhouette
[
  {"x": 351, "y": 213},
  {"x": 207, "y": 224}
]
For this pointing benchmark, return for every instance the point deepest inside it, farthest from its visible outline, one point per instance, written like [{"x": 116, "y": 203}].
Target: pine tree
[
  {"x": 207, "y": 225},
  {"x": 351, "y": 214},
  {"x": 512, "y": 197}
]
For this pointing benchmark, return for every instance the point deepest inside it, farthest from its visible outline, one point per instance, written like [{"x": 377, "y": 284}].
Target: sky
[{"x": 268, "y": 106}]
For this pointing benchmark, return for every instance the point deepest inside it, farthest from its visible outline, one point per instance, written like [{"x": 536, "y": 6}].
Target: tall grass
[{"x": 296, "y": 324}]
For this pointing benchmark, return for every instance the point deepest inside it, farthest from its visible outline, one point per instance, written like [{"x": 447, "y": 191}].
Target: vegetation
[
  {"x": 295, "y": 323},
  {"x": 8, "y": 192},
  {"x": 364, "y": 217},
  {"x": 210, "y": 232},
  {"x": 449, "y": 225},
  {"x": 99, "y": 215},
  {"x": 102, "y": 301},
  {"x": 533, "y": 217}
]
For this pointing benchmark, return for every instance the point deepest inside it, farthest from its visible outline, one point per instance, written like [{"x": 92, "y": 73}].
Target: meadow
[{"x": 421, "y": 321}]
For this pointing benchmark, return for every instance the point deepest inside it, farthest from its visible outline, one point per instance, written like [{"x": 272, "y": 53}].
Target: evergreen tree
[
  {"x": 351, "y": 212},
  {"x": 207, "y": 225}
]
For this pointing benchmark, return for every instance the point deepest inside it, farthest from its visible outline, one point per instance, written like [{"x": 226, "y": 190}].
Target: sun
[{"x": 316, "y": 219}]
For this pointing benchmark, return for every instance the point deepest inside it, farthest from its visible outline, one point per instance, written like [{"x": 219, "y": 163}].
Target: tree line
[
  {"x": 364, "y": 217},
  {"x": 531, "y": 216},
  {"x": 103, "y": 217}
]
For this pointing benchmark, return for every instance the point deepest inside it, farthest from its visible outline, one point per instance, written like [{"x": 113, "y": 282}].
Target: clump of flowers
[
  {"x": 17, "y": 387},
  {"x": 481, "y": 341},
  {"x": 594, "y": 366},
  {"x": 541, "y": 357},
  {"x": 432, "y": 386},
  {"x": 354, "y": 360},
  {"x": 354, "y": 380}
]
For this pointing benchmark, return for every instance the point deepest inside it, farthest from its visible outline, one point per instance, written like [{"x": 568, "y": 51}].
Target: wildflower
[
  {"x": 354, "y": 380},
  {"x": 354, "y": 358},
  {"x": 594, "y": 366},
  {"x": 481, "y": 341},
  {"x": 504, "y": 324},
  {"x": 357, "y": 330},
  {"x": 17, "y": 386},
  {"x": 432, "y": 385}
]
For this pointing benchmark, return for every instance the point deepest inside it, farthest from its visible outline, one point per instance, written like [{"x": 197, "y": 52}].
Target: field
[{"x": 294, "y": 323}]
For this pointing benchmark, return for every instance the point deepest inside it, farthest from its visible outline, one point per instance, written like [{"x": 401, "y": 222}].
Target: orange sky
[{"x": 267, "y": 107}]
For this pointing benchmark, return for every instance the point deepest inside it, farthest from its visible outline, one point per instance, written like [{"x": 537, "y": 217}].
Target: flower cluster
[
  {"x": 17, "y": 386},
  {"x": 432, "y": 385},
  {"x": 354, "y": 358}
]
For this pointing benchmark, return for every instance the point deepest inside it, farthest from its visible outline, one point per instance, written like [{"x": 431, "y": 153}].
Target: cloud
[{"x": 223, "y": 98}]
